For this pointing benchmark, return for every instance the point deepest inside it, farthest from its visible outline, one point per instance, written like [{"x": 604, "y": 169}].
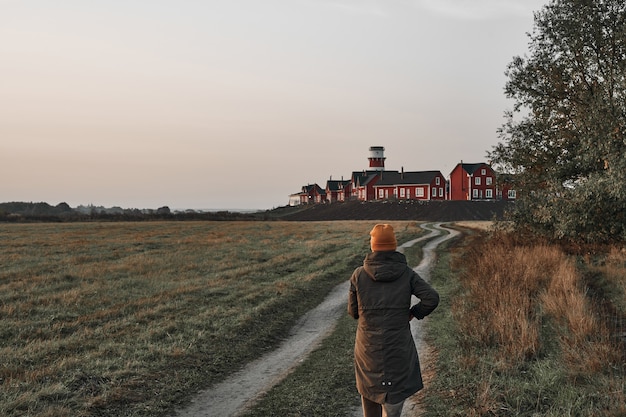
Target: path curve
[
  {"x": 411, "y": 406},
  {"x": 240, "y": 390}
]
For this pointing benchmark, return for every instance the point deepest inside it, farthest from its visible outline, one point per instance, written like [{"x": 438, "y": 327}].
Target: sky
[{"x": 236, "y": 104}]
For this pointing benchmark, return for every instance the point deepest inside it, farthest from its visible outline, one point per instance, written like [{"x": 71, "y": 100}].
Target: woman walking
[{"x": 386, "y": 364}]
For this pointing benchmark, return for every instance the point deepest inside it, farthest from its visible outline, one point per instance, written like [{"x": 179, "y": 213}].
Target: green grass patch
[
  {"x": 324, "y": 384},
  {"x": 131, "y": 319}
]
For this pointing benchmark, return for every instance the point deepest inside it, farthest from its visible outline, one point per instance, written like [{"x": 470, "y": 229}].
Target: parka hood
[{"x": 385, "y": 266}]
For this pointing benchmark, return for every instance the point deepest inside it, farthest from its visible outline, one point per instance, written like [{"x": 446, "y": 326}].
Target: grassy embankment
[
  {"x": 522, "y": 330},
  {"x": 129, "y": 319}
]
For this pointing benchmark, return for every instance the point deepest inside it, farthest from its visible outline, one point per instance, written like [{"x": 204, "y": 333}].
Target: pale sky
[{"x": 239, "y": 103}]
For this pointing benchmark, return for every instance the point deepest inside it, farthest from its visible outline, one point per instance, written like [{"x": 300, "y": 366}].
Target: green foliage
[
  {"x": 35, "y": 209},
  {"x": 565, "y": 140}
]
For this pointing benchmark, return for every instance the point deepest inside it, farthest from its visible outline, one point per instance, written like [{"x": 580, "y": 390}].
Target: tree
[
  {"x": 165, "y": 210},
  {"x": 565, "y": 139}
]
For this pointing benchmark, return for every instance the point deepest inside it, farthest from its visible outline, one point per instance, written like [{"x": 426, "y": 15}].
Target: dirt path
[
  {"x": 238, "y": 392},
  {"x": 411, "y": 406}
]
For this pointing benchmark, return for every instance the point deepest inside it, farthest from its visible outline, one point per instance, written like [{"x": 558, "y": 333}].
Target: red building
[
  {"x": 466, "y": 182},
  {"x": 419, "y": 185},
  {"x": 506, "y": 190},
  {"x": 362, "y": 184},
  {"x": 336, "y": 190},
  {"x": 472, "y": 182},
  {"x": 310, "y": 194}
]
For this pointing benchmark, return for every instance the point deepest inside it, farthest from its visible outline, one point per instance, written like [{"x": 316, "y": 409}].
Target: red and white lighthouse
[{"x": 377, "y": 158}]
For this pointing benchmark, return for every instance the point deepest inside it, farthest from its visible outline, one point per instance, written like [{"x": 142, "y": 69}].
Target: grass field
[
  {"x": 129, "y": 319},
  {"x": 324, "y": 384},
  {"x": 518, "y": 333}
]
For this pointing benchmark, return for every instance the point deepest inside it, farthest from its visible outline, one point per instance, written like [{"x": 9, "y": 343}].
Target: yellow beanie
[{"x": 383, "y": 238}]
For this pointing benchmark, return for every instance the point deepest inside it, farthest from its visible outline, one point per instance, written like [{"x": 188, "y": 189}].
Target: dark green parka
[{"x": 386, "y": 364}]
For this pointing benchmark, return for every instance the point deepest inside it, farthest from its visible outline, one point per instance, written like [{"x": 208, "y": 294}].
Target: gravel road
[{"x": 238, "y": 392}]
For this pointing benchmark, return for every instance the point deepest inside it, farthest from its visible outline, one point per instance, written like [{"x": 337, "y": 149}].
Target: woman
[{"x": 385, "y": 358}]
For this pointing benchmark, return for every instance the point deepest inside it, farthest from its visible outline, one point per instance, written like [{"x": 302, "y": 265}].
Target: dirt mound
[{"x": 435, "y": 211}]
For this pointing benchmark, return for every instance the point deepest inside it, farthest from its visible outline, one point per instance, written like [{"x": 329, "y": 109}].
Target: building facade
[{"x": 475, "y": 181}]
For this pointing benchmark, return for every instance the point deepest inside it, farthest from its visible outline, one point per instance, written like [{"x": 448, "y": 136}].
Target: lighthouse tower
[{"x": 377, "y": 158}]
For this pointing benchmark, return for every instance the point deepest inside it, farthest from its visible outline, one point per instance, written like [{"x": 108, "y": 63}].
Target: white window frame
[
  {"x": 476, "y": 180},
  {"x": 488, "y": 193}
]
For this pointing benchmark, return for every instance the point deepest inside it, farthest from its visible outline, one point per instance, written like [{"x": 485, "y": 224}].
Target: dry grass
[
  {"x": 127, "y": 319},
  {"x": 499, "y": 308},
  {"x": 585, "y": 340},
  {"x": 613, "y": 269},
  {"x": 529, "y": 337},
  {"x": 482, "y": 225}
]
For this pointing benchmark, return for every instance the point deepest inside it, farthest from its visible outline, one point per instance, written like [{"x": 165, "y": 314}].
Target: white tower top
[{"x": 377, "y": 158}]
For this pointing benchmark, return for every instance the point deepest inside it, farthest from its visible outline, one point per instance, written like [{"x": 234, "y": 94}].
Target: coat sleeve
[
  {"x": 428, "y": 296},
  {"x": 353, "y": 301}
]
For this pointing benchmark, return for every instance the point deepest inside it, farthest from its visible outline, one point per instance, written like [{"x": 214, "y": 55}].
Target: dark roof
[
  {"x": 336, "y": 185},
  {"x": 471, "y": 168},
  {"x": 364, "y": 177},
  {"x": 360, "y": 175},
  {"x": 313, "y": 188},
  {"x": 408, "y": 178}
]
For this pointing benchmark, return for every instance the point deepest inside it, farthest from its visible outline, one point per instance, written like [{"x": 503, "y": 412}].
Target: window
[
  {"x": 483, "y": 171},
  {"x": 419, "y": 192},
  {"x": 489, "y": 193},
  {"x": 441, "y": 192},
  {"x": 437, "y": 180},
  {"x": 477, "y": 180},
  {"x": 511, "y": 194},
  {"x": 474, "y": 193},
  {"x": 402, "y": 193},
  {"x": 381, "y": 193},
  {"x": 488, "y": 180}
]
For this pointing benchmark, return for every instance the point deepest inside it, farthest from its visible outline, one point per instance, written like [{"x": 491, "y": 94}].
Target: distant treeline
[{"x": 62, "y": 212}]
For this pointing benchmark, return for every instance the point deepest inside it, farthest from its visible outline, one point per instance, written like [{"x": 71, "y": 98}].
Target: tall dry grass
[
  {"x": 585, "y": 340},
  {"x": 499, "y": 308},
  {"x": 526, "y": 310}
]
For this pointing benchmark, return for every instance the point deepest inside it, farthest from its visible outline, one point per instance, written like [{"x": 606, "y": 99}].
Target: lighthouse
[{"x": 377, "y": 158}]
